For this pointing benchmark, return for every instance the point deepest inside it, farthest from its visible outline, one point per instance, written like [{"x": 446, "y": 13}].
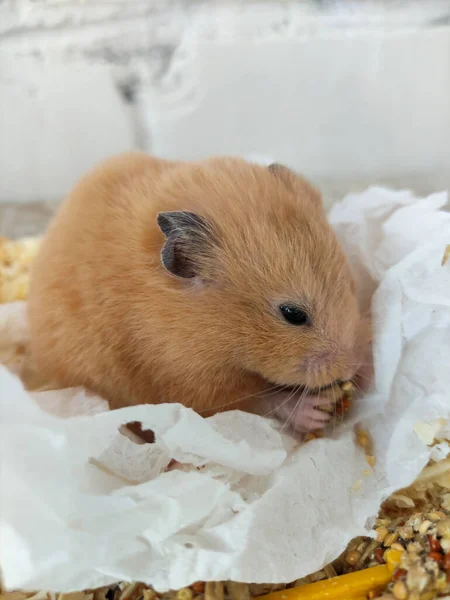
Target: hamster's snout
[{"x": 327, "y": 367}]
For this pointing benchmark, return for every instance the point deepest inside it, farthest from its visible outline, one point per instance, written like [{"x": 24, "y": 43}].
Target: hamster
[{"x": 218, "y": 284}]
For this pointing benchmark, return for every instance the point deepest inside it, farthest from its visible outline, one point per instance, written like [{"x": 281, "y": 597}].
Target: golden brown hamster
[{"x": 218, "y": 284}]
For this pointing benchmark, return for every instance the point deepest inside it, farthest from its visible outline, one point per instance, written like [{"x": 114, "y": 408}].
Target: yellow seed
[
  {"x": 347, "y": 386},
  {"x": 380, "y": 522},
  {"x": 400, "y": 590},
  {"x": 352, "y": 557},
  {"x": 397, "y": 546},
  {"x": 362, "y": 439},
  {"x": 184, "y": 594},
  {"x": 381, "y": 532},
  {"x": 314, "y": 435},
  {"x": 406, "y": 532},
  {"x": 424, "y": 527},
  {"x": 436, "y": 515},
  {"x": 446, "y": 256},
  {"x": 392, "y": 558},
  {"x": 390, "y": 539},
  {"x": 370, "y": 459}
]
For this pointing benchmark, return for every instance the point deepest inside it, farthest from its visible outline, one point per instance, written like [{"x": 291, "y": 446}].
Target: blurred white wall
[{"x": 344, "y": 91}]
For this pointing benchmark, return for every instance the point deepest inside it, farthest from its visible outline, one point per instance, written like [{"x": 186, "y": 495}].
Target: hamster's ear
[
  {"x": 295, "y": 182},
  {"x": 278, "y": 169},
  {"x": 188, "y": 241},
  {"x": 285, "y": 174}
]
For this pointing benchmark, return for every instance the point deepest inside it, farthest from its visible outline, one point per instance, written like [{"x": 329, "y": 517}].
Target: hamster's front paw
[{"x": 301, "y": 412}]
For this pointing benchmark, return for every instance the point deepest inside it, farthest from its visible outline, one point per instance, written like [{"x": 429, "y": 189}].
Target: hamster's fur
[{"x": 161, "y": 281}]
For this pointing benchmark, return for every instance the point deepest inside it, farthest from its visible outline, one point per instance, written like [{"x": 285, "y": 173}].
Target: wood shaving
[{"x": 16, "y": 258}]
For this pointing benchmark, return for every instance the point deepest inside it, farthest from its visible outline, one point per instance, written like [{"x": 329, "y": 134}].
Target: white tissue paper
[{"x": 83, "y": 506}]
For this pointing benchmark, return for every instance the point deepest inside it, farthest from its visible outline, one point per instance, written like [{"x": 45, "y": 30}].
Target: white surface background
[{"x": 349, "y": 92}]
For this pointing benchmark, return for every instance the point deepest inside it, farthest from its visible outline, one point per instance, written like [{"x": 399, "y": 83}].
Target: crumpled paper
[{"x": 83, "y": 506}]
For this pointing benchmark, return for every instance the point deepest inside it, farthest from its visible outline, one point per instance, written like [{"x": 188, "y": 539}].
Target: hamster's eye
[{"x": 294, "y": 315}]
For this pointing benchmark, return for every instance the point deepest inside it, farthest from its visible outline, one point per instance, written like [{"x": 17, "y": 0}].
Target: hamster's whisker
[
  {"x": 291, "y": 395},
  {"x": 274, "y": 390},
  {"x": 342, "y": 413},
  {"x": 269, "y": 391},
  {"x": 359, "y": 376},
  {"x": 358, "y": 387},
  {"x": 295, "y": 407},
  {"x": 282, "y": 403},
  {"x": 334, "y": 413}
]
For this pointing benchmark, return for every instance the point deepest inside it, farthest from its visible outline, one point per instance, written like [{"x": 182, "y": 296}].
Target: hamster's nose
[
  {"x": 349, "y": 374},
  {"x": 319, "y": 360}
]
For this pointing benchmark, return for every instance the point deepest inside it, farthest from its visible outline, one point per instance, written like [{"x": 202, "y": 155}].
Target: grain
[{"x": 400, "y": 590}]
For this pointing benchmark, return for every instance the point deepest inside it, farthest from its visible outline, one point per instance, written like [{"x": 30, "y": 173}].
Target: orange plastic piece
[{"x": 353, "y": 586}]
